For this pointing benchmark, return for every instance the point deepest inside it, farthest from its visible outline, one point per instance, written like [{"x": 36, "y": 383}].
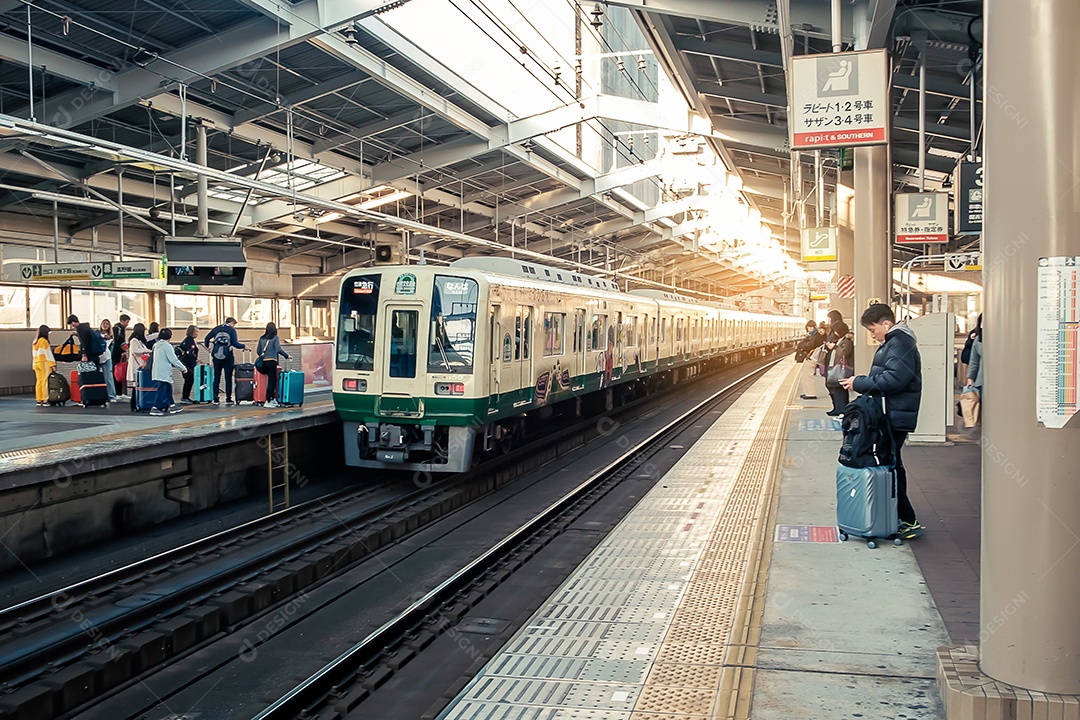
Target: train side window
[
  {"x": 598, "y": 333},
  {"x": 517, "y": 334},
  {"x": 526, "y": 331},
  {"x": 633, "y": 333},
  {"x": 554, "y": 334}
]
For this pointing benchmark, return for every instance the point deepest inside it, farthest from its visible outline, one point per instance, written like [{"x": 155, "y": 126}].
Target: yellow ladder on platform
[{"x": 277, "y": 463}]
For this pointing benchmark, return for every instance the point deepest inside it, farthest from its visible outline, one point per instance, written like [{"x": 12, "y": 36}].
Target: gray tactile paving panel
[{"x": 589, "y": 651}]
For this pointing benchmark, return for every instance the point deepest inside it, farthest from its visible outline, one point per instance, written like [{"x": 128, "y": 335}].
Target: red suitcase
[
  {"x": 74, "y": 383},
  {"x": 260, "y": 388}
]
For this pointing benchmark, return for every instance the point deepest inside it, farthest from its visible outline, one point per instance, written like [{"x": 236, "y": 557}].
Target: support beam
[
  {"x": 948, "y": 132},
  {"x": 312, "y": 92},
  {"x": 370, "y": 130},
  {"x": 748, "y": 13},
  {"x": 934, "y": 86},
  {"x": 223, "y": 51},
  {"x": 742, "y": 94},
  {"x": 728, "y": 51},
  {"x": 94, "y": 79}
]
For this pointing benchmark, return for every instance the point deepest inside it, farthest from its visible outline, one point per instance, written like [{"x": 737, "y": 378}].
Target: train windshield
[
  {"x": 356, "y": 332},
  {"x": 453, "y": 324}
]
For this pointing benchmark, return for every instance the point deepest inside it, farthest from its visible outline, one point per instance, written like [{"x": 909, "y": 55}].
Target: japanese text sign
[{"x": 839, "y": 99}]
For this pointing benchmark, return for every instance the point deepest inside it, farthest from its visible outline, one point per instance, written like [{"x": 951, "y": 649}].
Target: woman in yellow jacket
[{"x": 44, "y": 363}]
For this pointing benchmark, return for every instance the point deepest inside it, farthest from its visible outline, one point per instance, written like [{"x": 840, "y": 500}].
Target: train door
[
  {"x": 580, "y": 366},
  {"x": 495, "y": 346},
  {"x": 522, "y": 365},
  {"x": 620, "y": 338},
  {"x": 401, "y": 341}
]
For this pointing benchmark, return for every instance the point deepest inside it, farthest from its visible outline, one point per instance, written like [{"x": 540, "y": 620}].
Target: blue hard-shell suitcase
[
  {"x": 290, "y": 387},
  {"x": 145, "y": 391},
  {"x": 202, "y": 388},
  {"x": 866, "y": 503}
]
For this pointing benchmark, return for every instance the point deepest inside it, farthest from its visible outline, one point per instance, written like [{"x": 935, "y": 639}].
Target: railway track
[
  {"x": 339, "y": 687},
  {"x": 63, "y": 650}
]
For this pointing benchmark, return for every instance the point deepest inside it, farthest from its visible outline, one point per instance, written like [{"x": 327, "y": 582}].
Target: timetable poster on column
[{"x": 1058, "y": 327}]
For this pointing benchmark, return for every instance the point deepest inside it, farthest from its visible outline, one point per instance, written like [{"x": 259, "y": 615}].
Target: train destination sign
[{"x": 840, "y": 99}]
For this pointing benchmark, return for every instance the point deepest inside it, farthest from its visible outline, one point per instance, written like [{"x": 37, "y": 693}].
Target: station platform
[
  {"x": 726, "y": 592},
  {"x": 33, "y": 439}
]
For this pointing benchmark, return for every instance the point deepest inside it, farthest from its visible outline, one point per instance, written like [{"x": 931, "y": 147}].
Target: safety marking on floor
[
  {"x": 806, "y": 533},
  {"x": 820, "y": 425}
]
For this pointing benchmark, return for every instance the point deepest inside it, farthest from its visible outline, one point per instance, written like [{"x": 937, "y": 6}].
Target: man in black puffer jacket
[{"x": 897, "y": 374}]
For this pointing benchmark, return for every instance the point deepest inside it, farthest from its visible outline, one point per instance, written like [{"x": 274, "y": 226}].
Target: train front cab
[{"x": 405, "y": 385}]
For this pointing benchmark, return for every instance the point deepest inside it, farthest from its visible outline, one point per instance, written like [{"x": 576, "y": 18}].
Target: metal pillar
[
  {"x": 203, "y": 228},
  {"x": 873, "y": 243},
  {"x": 1030, "y": 568},
  {"x": 845, "y": 240}
]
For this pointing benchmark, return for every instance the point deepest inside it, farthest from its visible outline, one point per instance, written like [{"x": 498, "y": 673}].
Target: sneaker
[
  {"x": 41, "y": 404},
  {"x": 272, "y": 404},
  {"x": 910, "y": 531},
  {"x": 216, "y": 401},
  {"x": 175, "y": 409},
  {"x": 186, "y": 401},
  {"x": 229, "y": 403},
  {"x": 156, "y": 412},
  {"x": 808, "y": 397}
]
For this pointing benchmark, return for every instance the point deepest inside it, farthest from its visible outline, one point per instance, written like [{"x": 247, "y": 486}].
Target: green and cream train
[{"x": 435, "y": 365}]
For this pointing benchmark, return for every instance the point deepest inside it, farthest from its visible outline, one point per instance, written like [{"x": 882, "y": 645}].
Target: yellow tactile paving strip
[
  {"x": 642, "y": 628},
  {"x": 700, "y": 670}
]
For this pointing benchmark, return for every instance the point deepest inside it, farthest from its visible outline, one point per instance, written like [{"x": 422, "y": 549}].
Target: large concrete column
[
  {"x": 1031, "y": 482},
  {"x": 873, "y": 242}
]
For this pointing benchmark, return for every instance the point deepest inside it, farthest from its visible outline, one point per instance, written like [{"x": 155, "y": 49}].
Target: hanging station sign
[
  {"x": 76, "y": 272},
  {"x": 969, "y": 261},
  {"x": 819, "y": 244},
  {"x": 969, "y": 198},
  {"x": 839, "y": 99},
  {"x": 921, "y": 218}
]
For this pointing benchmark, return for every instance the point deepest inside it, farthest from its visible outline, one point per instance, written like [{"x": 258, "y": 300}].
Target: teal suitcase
[
  {"x": 202, "y": 389},
  {"x": 290, "y": 387}
]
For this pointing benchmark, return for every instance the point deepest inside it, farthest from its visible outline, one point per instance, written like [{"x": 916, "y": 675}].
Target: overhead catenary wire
[{"x": 183, "y": 87}]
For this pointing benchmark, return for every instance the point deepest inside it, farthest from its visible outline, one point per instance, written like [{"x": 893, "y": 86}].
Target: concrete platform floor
[
  {"x": 847, "y": 632},
  {"x": 25, "y": 426}
]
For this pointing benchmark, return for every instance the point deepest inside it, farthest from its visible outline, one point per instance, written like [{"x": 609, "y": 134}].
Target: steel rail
[{"x": 313, "y": 689}]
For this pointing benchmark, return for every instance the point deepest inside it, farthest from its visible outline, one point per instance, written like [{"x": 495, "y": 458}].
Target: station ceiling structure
[
  {"x": 727, "y": 59},
  {"x": 326, "y": 128}
]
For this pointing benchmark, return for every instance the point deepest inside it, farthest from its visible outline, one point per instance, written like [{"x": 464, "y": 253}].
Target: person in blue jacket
[
  {"x": 220, "y": 342},
  {"x": 896, "y": 373}
]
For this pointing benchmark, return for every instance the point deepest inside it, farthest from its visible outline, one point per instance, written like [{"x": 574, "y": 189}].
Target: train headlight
[
  {"x": 354, "y": 385},
  {"x": 445, "y": 388}
]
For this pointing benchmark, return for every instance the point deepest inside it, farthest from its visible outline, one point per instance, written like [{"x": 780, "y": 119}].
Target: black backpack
[
  {"x": 965, "y": 354},
  {"x": 867, "y": 436}
]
